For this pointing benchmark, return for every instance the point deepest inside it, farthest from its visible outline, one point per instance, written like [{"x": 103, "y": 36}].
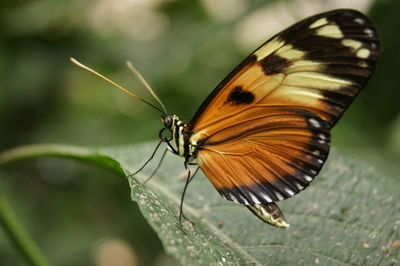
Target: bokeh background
[{"x": 81, "y": 215}]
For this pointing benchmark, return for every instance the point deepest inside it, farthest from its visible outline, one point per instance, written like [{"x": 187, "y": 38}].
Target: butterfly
[{"x": 263, "y": 134}]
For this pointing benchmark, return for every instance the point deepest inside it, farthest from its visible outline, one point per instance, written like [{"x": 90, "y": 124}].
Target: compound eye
[{"x": 168, "y": 121}]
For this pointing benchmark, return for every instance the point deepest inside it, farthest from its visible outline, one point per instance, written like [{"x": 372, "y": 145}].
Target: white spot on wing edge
[
  {"x": 266, "y": 197},
  {"x": 299, "y": 186},
  {"x": 314, "y": 122},
  {"x": 234, "y": 199},
  {"x": 244, "y": 200},
  {"x": 308, "y": 178},
  {"x": 313, "y": 172},
  {"x": 369, "y": 32},
  {"x": 359, "y": 20},
  {"x": 291, "y": 193},
  {"x": 254, "y": 198},
  {"x": 318, "y": 23},
  {"x": 279, "y": 195},
  {"x": 316, "y": 152}
]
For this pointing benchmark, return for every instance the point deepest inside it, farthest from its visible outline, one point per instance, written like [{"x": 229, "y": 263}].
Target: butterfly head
[
  {"x": 178, "y": 135},
  {"x": 169, "y": 121},
  {"x": 172, "y": 123}
]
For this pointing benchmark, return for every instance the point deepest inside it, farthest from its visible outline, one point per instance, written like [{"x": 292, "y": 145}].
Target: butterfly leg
[
  {"x": 188, "y": 180},
  {"x": 158, "y": 166},
  {"x": 167, "y": 140},
  {"x": 151, "y": 157}
]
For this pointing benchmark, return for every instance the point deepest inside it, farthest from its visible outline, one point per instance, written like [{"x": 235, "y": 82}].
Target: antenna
[
  {"x": 79, "y": 64},
  {"x": 145, "y": 83}
]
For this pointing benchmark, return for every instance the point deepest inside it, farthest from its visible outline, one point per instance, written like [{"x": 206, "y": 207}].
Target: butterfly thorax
[{"x": 180, "y": 137}]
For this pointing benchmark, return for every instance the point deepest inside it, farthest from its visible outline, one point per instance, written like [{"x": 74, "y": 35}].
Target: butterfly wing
[
  {"x": 271, "y": 156},
  {"x": 269, "y": 213},
  {"x": 319, "y": 63},
  {"x": 263, "y": 134}
]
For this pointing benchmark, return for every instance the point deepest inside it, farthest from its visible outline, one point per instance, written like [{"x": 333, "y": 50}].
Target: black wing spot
[
  {"x": 239, "y": 96},
  {"x": 274, "y": 64}
]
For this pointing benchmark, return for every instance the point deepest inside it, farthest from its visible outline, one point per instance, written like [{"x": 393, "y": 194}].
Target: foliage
[{"x": 346, "y": 217}]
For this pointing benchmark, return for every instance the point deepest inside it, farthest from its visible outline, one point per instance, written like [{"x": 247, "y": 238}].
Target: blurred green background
[{"x": 81, "y": 215}]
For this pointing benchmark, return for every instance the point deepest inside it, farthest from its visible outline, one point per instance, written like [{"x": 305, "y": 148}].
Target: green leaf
[{"x": 349, "y": 215}]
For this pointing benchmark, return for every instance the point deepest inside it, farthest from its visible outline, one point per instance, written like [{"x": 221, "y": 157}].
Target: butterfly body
[
  {"x": 263, "y": 134},
  {"x": 180, "y": 137}
]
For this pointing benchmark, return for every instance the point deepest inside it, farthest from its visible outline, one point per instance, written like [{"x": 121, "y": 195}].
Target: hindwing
[{"x": 273, "y": 155}]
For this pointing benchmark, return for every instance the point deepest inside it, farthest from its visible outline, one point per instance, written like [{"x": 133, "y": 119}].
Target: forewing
[
  {"x": 319, "y": 64},
  {"x": 263, "y": 134}
]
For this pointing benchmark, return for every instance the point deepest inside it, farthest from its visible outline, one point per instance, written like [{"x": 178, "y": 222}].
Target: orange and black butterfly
[{"x": 263, "y": 134}]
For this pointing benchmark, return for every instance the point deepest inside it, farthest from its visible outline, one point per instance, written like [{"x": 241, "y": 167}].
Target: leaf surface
[{"x": 350, "y": 215}]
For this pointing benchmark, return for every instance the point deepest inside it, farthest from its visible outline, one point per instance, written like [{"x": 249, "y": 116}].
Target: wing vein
[
  {"x": 278, "y": 177},
  {"x": 289, "y": 162}
]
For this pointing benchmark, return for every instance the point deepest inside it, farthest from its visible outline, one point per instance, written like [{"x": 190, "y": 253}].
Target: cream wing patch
[
  {"x": 330, "y": 31},
  {"x": 316, "y": 80},
  {"x": 363, "y": 53},
  {"x": 269, "y": 48},
  {"x": 290, "y": 53},
  {"x": 353, "y": 44},
  {"x": 280, "y": 48},
  {"x": 304, "y": 66},
  {"x": 320, "y": 22}
]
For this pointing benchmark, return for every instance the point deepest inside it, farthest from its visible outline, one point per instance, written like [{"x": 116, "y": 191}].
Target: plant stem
[{"x": 18, "y": 235}]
